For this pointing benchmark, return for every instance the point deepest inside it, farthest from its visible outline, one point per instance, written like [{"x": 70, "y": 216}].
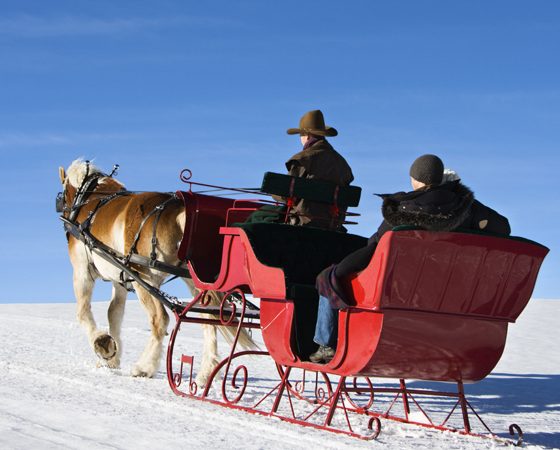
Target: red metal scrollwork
[
  {"x": 377, "y": 430},
  {"x": 359, "y": 391},
  {"x": 186, "y": 175},
  {"x": 516, "y": 429}
]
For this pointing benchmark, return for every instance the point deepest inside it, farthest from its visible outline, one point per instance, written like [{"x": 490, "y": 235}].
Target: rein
[{"x": 118, "y": 260}]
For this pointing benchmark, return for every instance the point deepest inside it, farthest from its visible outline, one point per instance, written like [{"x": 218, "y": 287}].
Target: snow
[{"x": 53, "y": 396}]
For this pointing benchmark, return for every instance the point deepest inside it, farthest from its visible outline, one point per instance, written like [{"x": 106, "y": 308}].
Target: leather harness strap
[
  {"x": 157, "y": 212},
  {"x": 91, "y": 216},
  {"x": 115, "y": 258},
  {"x": 81, "y": 231},
  {"x": 88, "y": 185}
]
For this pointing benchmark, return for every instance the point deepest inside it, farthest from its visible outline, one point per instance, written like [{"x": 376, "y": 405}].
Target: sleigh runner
[{"x": 429, "y": 306}]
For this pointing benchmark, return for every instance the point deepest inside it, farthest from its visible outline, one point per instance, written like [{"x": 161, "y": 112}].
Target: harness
[
  {"x": 120, "y": 261},
  {"x": 82, "y": 232},
  {"x": 88, "y": 185}
]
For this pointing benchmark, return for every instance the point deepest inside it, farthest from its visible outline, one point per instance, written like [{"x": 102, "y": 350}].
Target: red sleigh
[{"x": 430, "y": 306}]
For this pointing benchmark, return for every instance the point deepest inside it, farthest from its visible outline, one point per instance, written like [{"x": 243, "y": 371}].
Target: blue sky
[{"x": 212, "y": 86}]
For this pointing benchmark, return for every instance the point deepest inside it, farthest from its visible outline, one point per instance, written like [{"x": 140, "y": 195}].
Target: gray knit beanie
[{"x": 427, "y": 169}]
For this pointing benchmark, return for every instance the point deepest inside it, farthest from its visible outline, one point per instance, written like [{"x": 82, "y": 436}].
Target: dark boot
[{"x": 323, "y": 355}]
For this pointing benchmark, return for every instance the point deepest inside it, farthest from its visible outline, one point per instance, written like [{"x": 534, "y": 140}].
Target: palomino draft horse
[{"x": 149, "y": 224}]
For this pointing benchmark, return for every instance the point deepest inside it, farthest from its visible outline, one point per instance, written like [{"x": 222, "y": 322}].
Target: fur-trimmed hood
[{"x": 440, "y": 208}]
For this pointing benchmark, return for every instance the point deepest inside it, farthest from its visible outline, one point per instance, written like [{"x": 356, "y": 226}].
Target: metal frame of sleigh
[{"x": 431, "y": 306}]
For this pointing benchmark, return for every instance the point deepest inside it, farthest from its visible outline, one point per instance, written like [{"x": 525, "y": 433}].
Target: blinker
[{"x": 59, "y": 202}]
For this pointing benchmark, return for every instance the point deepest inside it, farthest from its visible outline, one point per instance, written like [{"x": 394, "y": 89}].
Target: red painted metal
[
  {"x": 429, "y": 306},
  {"x": 286, "y": 397},
  {"x": 202, "y": 243},
  {"x": 451, "y": 273},
  {"x": 446, "y": 300},
  {"x": 186, "y": 175},
  {"x": 240, "y": 268}
]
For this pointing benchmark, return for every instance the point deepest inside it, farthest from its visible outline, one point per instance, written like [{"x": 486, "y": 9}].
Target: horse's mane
[{"x": 78, "y": 170}]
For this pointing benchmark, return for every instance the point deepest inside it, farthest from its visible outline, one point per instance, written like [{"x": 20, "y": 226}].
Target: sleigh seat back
[{"x": 439, "y": 304}]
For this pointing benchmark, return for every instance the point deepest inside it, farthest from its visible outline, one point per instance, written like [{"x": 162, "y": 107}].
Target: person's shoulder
[
  {"x": 398, "y": 196},
  {"x": 299, "y": 156},
  {"x": 327, "y": 147},
  {"x": 329, "y": 150},
  {"x": 323, "y": 143},
  {"x": 315, "y": 151},
  {"x": 322, "y": 146}
]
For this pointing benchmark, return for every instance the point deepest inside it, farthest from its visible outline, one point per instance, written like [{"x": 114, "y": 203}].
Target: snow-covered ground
[{"x": 53, "y": 396}]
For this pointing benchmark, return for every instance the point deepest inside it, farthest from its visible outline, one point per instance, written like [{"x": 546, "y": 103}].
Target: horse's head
[{"x": 80, "y": 181}]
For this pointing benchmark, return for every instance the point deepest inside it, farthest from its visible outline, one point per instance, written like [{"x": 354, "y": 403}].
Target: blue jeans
[{"x": 326, "y": 329}]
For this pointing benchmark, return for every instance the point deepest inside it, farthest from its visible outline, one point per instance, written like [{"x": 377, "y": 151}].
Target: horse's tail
[
  {"x": 215, "y": 298},
  {"x": 181, "y": 219},
  {"x": 245, "y": 340}
]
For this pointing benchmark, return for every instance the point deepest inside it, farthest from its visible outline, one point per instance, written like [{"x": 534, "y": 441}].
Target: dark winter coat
[
  {"x": 442, "y": 208},
  {"x": 319, "y": 161}
]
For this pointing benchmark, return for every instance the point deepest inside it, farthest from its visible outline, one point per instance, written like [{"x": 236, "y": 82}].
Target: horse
[{"x": 150, "y": 224}]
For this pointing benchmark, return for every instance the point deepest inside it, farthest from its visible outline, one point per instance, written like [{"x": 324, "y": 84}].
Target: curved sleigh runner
[{"x": 429, "y": 306}]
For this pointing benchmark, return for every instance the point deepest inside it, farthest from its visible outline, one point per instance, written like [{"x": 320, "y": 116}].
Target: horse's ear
[{"x": 61, "y": 174}]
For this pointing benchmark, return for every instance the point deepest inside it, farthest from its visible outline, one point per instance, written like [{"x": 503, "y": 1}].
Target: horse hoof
[
  {"x": 141, "y": 373},
  {"x": 113, "y": 363},
  {"x": 201, "y": 381},
  {"x": 105, "y": 347},
  {"x": 108, "y": 364}
]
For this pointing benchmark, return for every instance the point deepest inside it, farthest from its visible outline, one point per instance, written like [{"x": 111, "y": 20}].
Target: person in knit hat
[
  {"x": 427, "y": 170},
  {"x": 434, "y": 204}
]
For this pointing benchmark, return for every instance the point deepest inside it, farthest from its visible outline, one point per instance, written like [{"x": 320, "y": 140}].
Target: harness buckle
[{"x": 153, "y": 255}]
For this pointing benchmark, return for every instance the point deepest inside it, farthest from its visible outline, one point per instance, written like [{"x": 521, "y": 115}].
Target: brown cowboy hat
[{"x": 313, "y": 122}]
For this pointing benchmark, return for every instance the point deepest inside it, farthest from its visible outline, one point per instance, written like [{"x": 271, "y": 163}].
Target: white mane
[{"x": 78, "y": 170}]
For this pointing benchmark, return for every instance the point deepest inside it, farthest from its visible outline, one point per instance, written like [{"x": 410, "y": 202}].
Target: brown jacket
[{"x": 321, "y": 162}]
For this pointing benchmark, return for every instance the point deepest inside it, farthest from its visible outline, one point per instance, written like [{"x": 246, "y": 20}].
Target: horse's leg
[
  {"x": 148, "y": 363},
  {"x": 101, "y": 342},
  {"x": 83, "y": 289},
  {"x": 209, "y": 343},
  {"x": 115, "y": 317}
]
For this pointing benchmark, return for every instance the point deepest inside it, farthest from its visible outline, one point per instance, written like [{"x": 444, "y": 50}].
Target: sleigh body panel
[{"x": 431, "y": 306}]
